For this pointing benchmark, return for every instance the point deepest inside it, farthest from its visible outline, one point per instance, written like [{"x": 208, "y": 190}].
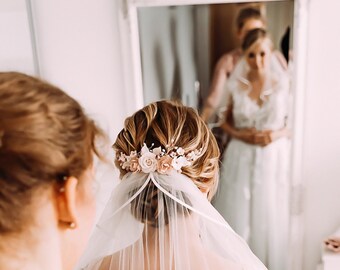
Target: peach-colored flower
[
  {"x": 164, "y": 164},
  {"x": 122, "y": 157},
  {"x": 134, "y": 165}
]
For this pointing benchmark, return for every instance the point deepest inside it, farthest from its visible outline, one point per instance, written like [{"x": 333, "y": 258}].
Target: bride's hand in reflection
[
  {"x": 260, "y": 137},
  {"x": 252, "y": 136},
  {"x": 270, "y": 136}
]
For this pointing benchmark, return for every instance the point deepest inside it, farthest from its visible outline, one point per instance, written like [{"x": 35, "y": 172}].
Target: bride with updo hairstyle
[
  {"x": 159, "y": 216},
  {"x": 47, "y": 148},
  {"x": 254, "y": 185}
]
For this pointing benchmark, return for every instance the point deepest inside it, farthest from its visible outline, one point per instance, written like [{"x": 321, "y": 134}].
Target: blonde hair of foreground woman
[
  {"x": 46, "y": 177},
  {"x": 169, "y": 123}
]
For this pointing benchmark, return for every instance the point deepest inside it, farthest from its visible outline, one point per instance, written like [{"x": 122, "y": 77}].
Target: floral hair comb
[{"x": 157, "y": 159}]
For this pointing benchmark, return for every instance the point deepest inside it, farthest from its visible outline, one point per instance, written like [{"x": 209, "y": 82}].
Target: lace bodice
[{"x": 271, "y": 114}]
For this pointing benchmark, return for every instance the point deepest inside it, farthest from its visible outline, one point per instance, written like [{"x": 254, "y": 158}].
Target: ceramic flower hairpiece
[{"x": 157, "y": 160}]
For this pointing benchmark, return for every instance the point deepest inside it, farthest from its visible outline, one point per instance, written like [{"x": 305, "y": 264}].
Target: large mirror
[
  {"x": 179, "y": 53},
  {"x": 241, "y": 65},
  {"x": 17, "y": 47}
]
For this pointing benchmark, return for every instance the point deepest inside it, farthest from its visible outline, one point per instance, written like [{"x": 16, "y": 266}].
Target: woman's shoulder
[{"x": 219, "y": 263}]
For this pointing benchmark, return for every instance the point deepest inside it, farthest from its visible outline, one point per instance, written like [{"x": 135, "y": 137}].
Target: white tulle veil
[
  {"x": 276, "y": 72},
  {"x": 164, "y": 222}
]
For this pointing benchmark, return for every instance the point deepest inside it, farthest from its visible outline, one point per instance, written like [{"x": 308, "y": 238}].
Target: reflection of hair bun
[
  {"x": 166, "y": 123},
  {"x": 252, "y": 36}
]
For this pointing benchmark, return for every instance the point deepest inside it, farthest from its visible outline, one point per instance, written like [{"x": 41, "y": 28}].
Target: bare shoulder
[{"x": 214, "y": 261}]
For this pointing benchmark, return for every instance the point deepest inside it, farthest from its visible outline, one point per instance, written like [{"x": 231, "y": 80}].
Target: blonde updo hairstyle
[
  {"x": 45, "y": 136},
  {"x": 169, "y": 123}
]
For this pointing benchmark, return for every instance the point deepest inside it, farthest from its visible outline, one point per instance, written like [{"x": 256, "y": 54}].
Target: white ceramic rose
[{"x": 148, "y": 162}]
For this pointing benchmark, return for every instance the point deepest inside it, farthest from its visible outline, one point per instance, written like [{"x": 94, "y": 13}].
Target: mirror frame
[
  {"x": 133, "y": 87},
  {"x": 33, "y": 39}
]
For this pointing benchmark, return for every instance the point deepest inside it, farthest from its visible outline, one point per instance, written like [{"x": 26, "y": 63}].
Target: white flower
[
  {"x": 157, "y": 151},
  {"x": 198, "y": 152},
  {"x": 133, "y": 154},
  {"x": 125, "y": 165},
  {"x": 144, "y": 149},
  {"x": 122, "y": 157},
  {"x": 148, "y": 162},
  {"x": 179, "y": 162},
  {"x": 172, "y": 154},
  {"x": 193, "y": 155},
  {"x": 180, "y": 151}
]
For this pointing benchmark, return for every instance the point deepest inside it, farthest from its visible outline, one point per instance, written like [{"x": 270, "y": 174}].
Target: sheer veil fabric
[{"x": 164, "y": 222}]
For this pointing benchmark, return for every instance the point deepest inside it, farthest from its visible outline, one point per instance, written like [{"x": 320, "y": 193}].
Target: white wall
[
  {"x": 15, "y": 45},
  {"x": 78, "y": 45},
  {"x": 321, "y": 164}
]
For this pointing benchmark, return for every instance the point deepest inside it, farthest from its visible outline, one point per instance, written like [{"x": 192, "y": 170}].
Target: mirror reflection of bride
[{"x": 254, "y": 185}]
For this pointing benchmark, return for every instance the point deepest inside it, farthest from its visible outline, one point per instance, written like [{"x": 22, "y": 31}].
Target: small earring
[
  {"x": 72, "y": 225},
  {"x": 62, "y": 189}
]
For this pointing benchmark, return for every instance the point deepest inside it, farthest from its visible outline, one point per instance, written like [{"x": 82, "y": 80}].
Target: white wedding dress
[{"x": 253, "y": 194}]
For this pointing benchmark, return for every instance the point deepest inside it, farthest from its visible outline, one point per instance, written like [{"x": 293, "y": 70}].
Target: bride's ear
[
  {"x": 206, "y": 192},
  {"x": 66, "y": 203}
]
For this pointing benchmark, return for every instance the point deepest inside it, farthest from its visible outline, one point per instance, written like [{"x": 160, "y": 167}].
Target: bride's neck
[
  {"x": 32, "y": 251},
  {"x": 192, "y": 235},
  {"x": 256, "y": 75}
]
